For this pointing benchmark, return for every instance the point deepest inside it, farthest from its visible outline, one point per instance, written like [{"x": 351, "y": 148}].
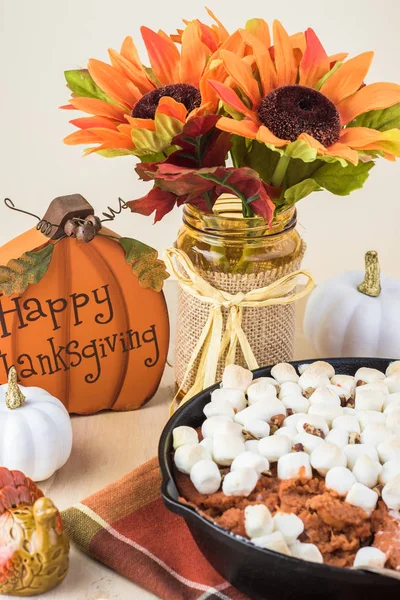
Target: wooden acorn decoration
[{"x": 33, "y": 544}]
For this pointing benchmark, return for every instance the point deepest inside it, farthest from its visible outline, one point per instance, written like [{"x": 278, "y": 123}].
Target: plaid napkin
[{"x": 126, "y": 527}]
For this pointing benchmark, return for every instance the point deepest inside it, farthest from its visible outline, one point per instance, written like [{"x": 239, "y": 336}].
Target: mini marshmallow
[
  {"x": 340, "y": 479},
  {"x": 346, "y": 422},
  {"x": 184, "y": 435},
  {"x": 340, "y": 437},
  {"x": 311, "y": 380},
  {"x": 290, "y": 432},
  {"x": 284, "y": 372},
  {"x": 324, "y": 395},
  {"x": 275, "y": 541},
  {"x": 353, "y": 451},
  {"x": 393, "y": 421},
  {"x": 390, "y": 469},
  {"x": 250, "y": 460},
  {"x": 270, "y": 380},
  {"x": 394, "y": 367},
  {"x": 368, "y": 399},
  {"x": 205, "y": 477},
  {"x": 393, "y": 407},
  {"x": 294, "y": 466},
  {"x": 368, "y": 417},
  {"x": 347, "y": 410},
  {"x": 320, "y": 366},
  {"x": 290, "y": 526},
  {"x": 297, "y": 402},
  {"x": 226, "y": 447},
  {"x": 251, "y": 446},
  {"x": 362, "y": 497},
  {"x": 391, "y": 400},
  {"x": 367, "y": 471},
  {"x": 308, "y": 552},
  {"x": 292, "y": 420},
  {"x": 389, "y": 449},
  {"x": 264, "y": 410},
  {"x": 370, "y": 557},
  {"x": 275, "y": 446},
  {"x": 308, "y": 441},
  {"x": 187, "y": 456},
  {"x": 240, "y": 483},
  {"x": 258, "y": 521},
  {"x": 391, "y": 493},
  {"x": 207, "y": 443},
  {"x": 236, "y": 378},
  {"x": 367, "y": 375},
  {"x": 339, "y": 391},
  {"x": 257, "y": 428},
  {"x": 329, "y": 412},
  {"x": 314, "y": 421},
  {"x": 235, "y": 397},
  {"x": 393, "y": 382},
  {"x": 259, "y": 390},
  {"x": 220, "y": 425},
  {"x": 326, "y": 456},
  {"x": 302, "y": 368},
  {"x": 346, "y": 382},
  {"x": 375, "y": 434},
  {"x": 219, "y": 407},
  {"x": 289, "y": 388}
]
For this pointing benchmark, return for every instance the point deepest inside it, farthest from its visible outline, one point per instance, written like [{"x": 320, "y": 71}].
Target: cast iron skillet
[{"x": 264, "y": 574}]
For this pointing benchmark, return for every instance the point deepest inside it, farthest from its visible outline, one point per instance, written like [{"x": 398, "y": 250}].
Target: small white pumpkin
[
  {"x": 346, "y": 318},
  {"x": 35, "y": 430}
]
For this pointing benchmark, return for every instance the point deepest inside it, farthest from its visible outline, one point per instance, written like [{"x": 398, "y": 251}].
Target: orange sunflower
[{"x": 301, "y": 101}]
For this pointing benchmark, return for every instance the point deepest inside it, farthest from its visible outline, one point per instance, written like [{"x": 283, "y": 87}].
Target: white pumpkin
[
  {"x": 35, "y": 430},
  {"x": 345, "y": 317}
]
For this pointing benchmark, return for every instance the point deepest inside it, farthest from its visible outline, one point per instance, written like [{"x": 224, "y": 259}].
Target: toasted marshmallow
[
  {"x": 340, "y": 437},
  {"x": 250, "y": 459},
  {"x": 393, "y": 382},
  {"x": 394, "y": 367},
  {"x": 259, "y": 390},
  {"x": 368, "y": 399},
  {"x": 289, "y": 388},
  {"x": 339, "y": 391},
  {"x": 389, "y": 449},
  {"x": 326, "y": 456},
  {"x": 391, "y": 493},
  {"x": 390, "y": 469},
  {"x": 320, "y": 366},
  {"x": 275, "y": 541},
  {"x": 290, "y": 526},
  {"x": 367, "y": 375},
  {"x": 275, "y": 446},
  {"x": 308, "y": 441},
  {"x": 308, "y": 552},
  {"x": 295, "y": 465},
  {"x": 369, "y": 417},
  {"x": 236, "y": 378},
  {"x": 346, "y": 422},
  {"x": 220, "y": 424},
  {"x": 391, "y": 400},
  {"x": 205, "y": 477},
  {"x": 219, "y": 407},
  {"x": 263, "y": 410},
  {"x": 226, "y": 447},
  {"x": 340, "y": 479},
  {"x": 258, "y": 521},
  {"x": 240, "y": 482},
  {"x": 297, "y": 402},
  {"x": 329, "y": 412},
  {"x": 361, "y": 496},
  {"x": 313, "y": 378},
  {"x": 353, "y": 451},
  {"x": 375, "y": 434},
  {"x": 393, "y": 421},
  {"x": 252, "y": 446},
  {"x": 207, "y": 443},
  {"x": 324, "y": 395},
  {"x": 184, "y": 435},
  {"x": 370, "y": 557},
  {"x": 292, "y": 420},
  {"x": 187, "y": 456},
  {"x": 315, "y": 421},
  {"x": 257, "y": 428},
  {"x": 236, "y": 398},
  {"x": 290, "y": 432},
  {"x": 367, "y": 471},
  {"x": 267, "y": 380},
  {"x": 283, "y": 372},
  {"x": 346, "y": 382}
]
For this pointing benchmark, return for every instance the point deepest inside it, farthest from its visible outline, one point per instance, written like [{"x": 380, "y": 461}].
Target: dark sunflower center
[
  {"x": 294, "y": 109},
  {"x": 181, "y": 92}
]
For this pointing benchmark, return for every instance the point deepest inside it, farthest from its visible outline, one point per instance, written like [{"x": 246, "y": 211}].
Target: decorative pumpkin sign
[
  {"x": 355, "y": 314},
  {"x": 81, "y": 311}
]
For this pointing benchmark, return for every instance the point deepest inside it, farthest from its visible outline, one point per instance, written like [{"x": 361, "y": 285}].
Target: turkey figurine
[{"x": 33, "y": 545}]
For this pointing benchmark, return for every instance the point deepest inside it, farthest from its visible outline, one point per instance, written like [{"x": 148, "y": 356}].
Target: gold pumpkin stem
[
  {"x": 14, "y": 396},
  {"x": 371, "y": 286}
]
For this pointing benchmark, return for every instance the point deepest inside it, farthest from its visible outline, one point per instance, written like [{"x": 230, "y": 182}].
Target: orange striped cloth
[{"x": 126, "y": 527}]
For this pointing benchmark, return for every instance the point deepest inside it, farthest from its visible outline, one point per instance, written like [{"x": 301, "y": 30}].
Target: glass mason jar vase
[{"x": 237, "y": 254}]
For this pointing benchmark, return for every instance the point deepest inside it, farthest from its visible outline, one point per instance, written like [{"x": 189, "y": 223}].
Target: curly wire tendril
[
  {"x": 110, "y": 216},
  {"x": 43, "y": 226}
]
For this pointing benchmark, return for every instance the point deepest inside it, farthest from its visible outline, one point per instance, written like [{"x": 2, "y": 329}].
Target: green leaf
[
  {"x": 262, "y": 159},
  {"x": 300, "y": 190},
  {"x": 149, "y": 270},
  {"x": 151, "y": 76},
  {"x": 112, "y": 152},
  {"x": 342, "y": 180},
  {"x": 81, "y": 84},
  {"x": 26, "y": 270},
  {"x": 335, "y": 67},
  {"x": 301, "y": 150},
  {"x": 299, "y": 170},
  {"x": 382, "y": 120}
]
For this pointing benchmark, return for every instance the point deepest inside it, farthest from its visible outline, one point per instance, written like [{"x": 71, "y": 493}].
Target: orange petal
[
  {"x": 129, "y": 51},
  {"x": 260, "y": 30},
  {"x": 141, "y": 123},
  {"x": 208, "y": 37},
  {"x": 163, "y": 54},
  {"x": 334, "y": 58},
  {"x": 87, "y": 122},
  {"x": 113, "y": 139},
  {"x": 83, "y": 136},
  {"x": 315, "y": 62},
  {"x": 194, "y": 55},
  {"x": 266, "y": 136},
  {"x": 312, "y": 142},
  {"x": 245, "y": 128},
  {"x": 348, "y": 78},
  {"x": 223, "y": 33},
  {"x": 265, "y": 65},
  {"x": 371, "y": 97},
  {"x": 298, "y": 41},
  {"x": 113, "y": 83},
  {"x": 137, "y": 76},
  {"x": 342, "y": 151},
  {"x": 242, "y": 75},
  {"x": 172, "y": 108},
  {"x": 364, "y": 138},
  {"x": 229, "y": 97},
  {"x": 284, "y": 57},
  {"x": 101, "y": 108},
  {"x": 357, "y": 137}
]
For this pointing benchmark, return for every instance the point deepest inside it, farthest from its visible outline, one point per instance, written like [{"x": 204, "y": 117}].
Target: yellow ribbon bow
[{"x": 213, "y": 342}]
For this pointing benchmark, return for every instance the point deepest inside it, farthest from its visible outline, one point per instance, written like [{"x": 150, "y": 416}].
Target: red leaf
[{"x": 157, "y": 200}]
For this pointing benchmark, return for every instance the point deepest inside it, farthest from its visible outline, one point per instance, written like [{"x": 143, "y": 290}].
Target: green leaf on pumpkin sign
[
  {"x": 81, "y": 84},
  {"x": 145, "y": 264},
  {"x": 26, "y": 270}
]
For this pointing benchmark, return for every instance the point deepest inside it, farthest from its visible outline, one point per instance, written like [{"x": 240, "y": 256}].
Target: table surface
[{"x": 106, "y": 447}]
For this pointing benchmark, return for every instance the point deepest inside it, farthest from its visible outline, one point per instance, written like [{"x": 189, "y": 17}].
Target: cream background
[{"x": 39, "y": 39}]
